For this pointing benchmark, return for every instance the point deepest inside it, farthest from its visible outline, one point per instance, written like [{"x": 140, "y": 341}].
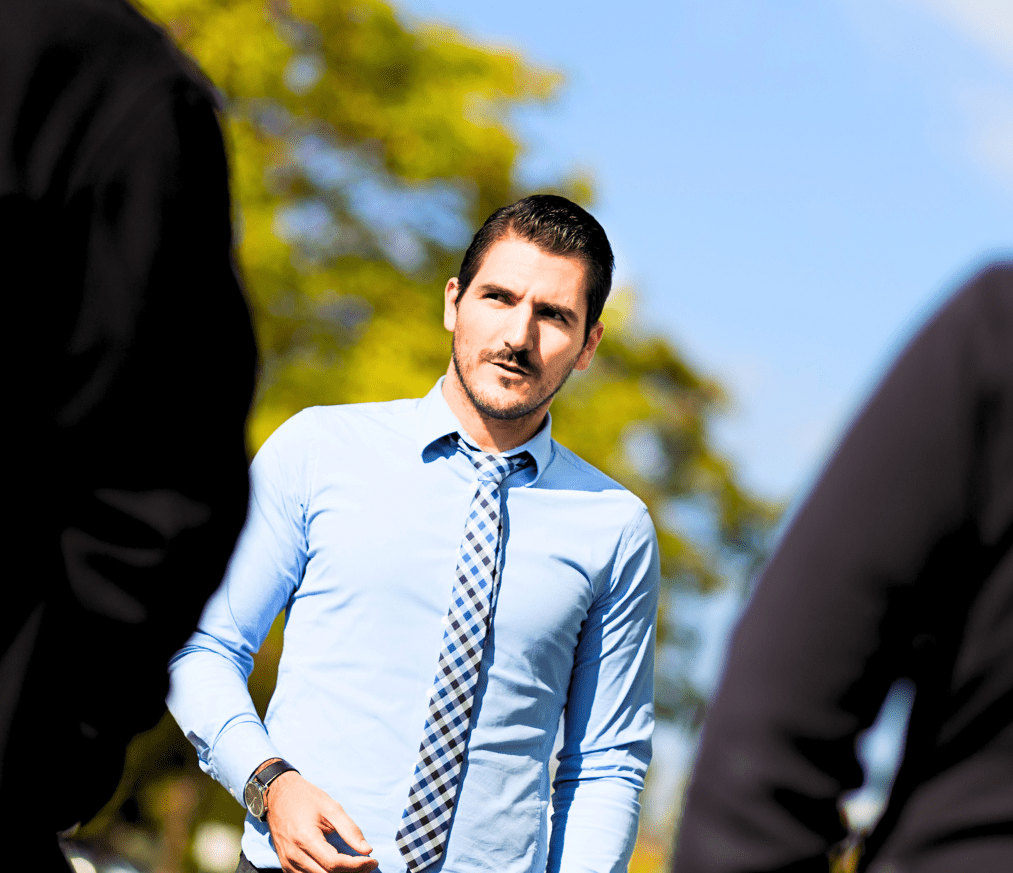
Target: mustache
[{"x": 520, "y": 359}]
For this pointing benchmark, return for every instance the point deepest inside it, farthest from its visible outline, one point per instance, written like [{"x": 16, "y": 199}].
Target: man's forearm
[{"x": 594, "y": 825}]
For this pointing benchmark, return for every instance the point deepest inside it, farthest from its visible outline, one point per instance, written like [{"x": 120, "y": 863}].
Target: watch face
[{"x": 254, "y": 796}]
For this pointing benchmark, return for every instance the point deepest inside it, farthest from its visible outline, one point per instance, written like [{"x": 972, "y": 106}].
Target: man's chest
[{"x": 385, "y": 558}]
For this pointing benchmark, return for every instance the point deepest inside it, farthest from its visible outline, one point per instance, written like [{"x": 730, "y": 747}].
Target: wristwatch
[{"x": 255, "y": 793}]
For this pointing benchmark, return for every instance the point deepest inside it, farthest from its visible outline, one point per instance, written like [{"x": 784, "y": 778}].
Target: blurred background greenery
[{"x": 364, "y": 153}]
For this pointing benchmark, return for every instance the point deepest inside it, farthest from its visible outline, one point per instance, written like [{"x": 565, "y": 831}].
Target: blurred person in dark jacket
[
  {"x": 130, "y": 369},
  {"x": 899, "y": 564}
]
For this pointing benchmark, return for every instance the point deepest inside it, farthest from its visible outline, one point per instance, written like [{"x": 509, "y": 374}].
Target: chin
[{"x": 502, "y": 405}]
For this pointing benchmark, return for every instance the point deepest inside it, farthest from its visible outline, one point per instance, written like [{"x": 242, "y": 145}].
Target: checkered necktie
[{"x": 426, "y": 819}]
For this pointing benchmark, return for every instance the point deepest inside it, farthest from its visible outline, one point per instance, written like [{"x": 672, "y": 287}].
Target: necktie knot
[{"x": 493, "y": 468}]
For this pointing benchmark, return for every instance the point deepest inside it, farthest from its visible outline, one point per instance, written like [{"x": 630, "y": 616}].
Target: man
[
  {"x": 355, "y": 530},
  {"x": 900, "y": 563},
  {"x": 130, "y": 372}
]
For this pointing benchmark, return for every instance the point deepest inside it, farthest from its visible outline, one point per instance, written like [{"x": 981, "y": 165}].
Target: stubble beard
[{"x": 510, "y": 412}]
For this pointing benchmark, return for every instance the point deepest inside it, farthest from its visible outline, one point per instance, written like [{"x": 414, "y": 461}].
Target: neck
[{"x": 491, "y": 434}]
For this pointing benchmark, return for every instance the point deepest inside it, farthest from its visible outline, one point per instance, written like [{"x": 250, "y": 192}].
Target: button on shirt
[{"x": 355, "y": 521}]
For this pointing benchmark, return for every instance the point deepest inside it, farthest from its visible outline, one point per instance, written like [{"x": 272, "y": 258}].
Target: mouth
[
  {"x": 516, "y": 365},
  {"x": 512, "y": 368}
]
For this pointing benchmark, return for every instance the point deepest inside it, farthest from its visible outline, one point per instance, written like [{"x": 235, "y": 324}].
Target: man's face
[{"x": 519, "y": 329}]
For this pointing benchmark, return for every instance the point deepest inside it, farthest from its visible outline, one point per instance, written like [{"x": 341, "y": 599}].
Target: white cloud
[
  {"x": 988, "y": 22},
  {"x": 990, "y": 114},
  {"x": 984, "y": 99}
]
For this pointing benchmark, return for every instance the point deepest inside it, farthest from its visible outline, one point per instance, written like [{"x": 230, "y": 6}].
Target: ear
[
  {"x": 450, "y": 305},
  {"x": 593, "y": 338}
]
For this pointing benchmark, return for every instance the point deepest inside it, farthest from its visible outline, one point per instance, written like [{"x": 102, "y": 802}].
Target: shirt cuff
[{"x": 240, "y": 750}]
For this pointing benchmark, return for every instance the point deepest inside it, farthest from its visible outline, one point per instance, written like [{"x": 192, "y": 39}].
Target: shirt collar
[{"x": 436, "y": 421}]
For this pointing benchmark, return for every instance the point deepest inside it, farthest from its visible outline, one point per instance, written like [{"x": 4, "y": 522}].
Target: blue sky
[{"x": 789, "y": 185}]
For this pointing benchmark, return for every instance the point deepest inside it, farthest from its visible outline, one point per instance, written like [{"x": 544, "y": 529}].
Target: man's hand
[{"x": 300, "y": 816}]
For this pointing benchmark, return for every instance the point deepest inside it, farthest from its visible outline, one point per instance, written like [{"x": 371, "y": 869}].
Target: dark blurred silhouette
[
  {"x": 130, "y": 368},
  {"x": 899, "y": 563}
]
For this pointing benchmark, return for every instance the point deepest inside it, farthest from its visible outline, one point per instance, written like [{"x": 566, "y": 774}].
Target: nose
[{"x": 519, "y": 332}]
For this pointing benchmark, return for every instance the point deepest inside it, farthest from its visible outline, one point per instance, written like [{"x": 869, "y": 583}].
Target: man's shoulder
[
  {"x": 567, "y": 470},
  {"x": 381, "y": 411},
  {"x": 598, "y": 510},
  {"x": 104, "y": 34},
  {"x": 351, "y": 420},
  {"x": 319, "y": 437},
  {"x": 969, "y": 335},
  {"x": 91, "y": 68}
]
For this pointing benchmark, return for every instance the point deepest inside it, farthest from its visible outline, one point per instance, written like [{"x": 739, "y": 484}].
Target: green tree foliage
[{"x": 364, "y": 153}]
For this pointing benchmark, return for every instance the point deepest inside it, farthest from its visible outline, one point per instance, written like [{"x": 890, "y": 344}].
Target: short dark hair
[{"x": 557, "y": 226}]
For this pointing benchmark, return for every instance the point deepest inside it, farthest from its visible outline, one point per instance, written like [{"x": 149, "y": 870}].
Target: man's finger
[
  {"x": 348, "y": 830},
  {"x": 331, "y": 862},
  {"x": 328, "y": 859},
  {"x": 355, "y": 864}
]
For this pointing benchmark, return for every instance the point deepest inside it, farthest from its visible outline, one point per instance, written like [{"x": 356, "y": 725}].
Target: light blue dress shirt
[{"x": 355, "y": 521}]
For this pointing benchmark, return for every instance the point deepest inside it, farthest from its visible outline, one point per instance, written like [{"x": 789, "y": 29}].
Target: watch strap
[{"x": 272, "y": 771}]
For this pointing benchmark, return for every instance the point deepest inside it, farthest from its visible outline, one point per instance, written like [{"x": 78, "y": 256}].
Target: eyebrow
[
  {"x": 492, "y": 286},
  {"x": 565, "y": 311}
]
